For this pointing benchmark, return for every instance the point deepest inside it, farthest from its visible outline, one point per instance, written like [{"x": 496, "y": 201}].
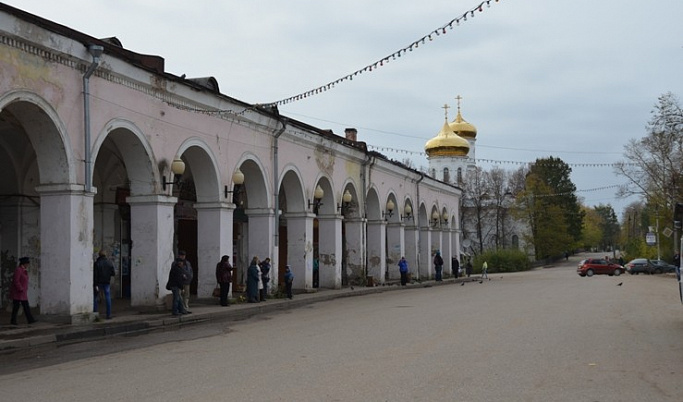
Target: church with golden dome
[{"x": 452, "y": 152}]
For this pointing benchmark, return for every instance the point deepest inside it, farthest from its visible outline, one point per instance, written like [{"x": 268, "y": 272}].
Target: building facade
[{"x": 102, "y": 148}]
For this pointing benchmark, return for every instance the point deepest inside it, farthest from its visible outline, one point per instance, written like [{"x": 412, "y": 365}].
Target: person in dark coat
[
  {"x": 265, "y": 278},
  {"x": 175, "y": 285},
  {"x": 253, "y": 281},
  {"x": 403, "y": 270},
  {"x": 289, "y": 280},
  {"x": 188, "y": 274},
  {"x": 468, "y": 268},
  {"x": 19, "y": 291},
  {"x": 224, "y": 278},
  {"x": 438, "y": 266},
  {"x": 455, "y": 266},
  {"x": 103, "y": 270}
]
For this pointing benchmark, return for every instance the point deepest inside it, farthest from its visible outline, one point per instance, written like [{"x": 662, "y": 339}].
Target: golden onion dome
[
  {"x": 447, "y": 143},
  {"x": 463, "y": 128}
]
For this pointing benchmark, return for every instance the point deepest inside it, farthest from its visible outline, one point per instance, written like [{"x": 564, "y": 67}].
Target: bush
[{"x": 502, "y": 261}]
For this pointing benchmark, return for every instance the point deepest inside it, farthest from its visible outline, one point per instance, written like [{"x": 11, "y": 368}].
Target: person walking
[
  {"x": 103, "y": 270},
  {"x": 224, "y": 278},
  {"x": 468, "y": 268},
  {"x": 188, "y": 274},
  {"x": 19, "y": 291},
  {"x": 253, "y": 280},
  {"x": 403, "y": 269},
  {"x": 484, "y": 269},
  {"x": 175, "y": 285},
  {"x": 438, "y": 266},
  {"x": 455, "y": 266},
  {"x": 289, "y": 280},
  {"x": 265, "y": 277}
]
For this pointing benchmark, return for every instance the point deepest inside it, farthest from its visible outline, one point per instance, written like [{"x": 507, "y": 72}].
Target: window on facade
[
  {"x": 459, "y": 175},
  {"x": 515, "y": 242},
  {"x": 446, "y": 175}
]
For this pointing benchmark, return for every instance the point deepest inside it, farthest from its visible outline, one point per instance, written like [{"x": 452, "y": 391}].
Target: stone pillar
[
  {"x": 376, "y": 241},
  {"x": 356, "y": 268},
  {"x": 300, "y": 248},
  {"x": 395, "y": 248},
  {"x": 446, "y": 251},
  {"x": 66, "y": 254},
  {"x": 411, "y": 248},
  {"x": 214, "y": 240},
  {"x": 260, "y": 233},
  {"x": 152, "y": 233},
  {"x": 329, "y": 251},
  {"x": 425, "y": 254}
]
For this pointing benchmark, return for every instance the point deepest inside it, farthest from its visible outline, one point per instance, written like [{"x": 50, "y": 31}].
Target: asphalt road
[{"x": 544, "y": 335}]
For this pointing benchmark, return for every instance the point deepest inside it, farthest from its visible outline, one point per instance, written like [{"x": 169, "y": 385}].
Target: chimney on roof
[{"x": 351, "y": 134}]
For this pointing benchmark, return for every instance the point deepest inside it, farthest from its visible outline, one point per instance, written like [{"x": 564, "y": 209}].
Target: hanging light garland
[
  {"x": 393, "y": 56},
  {"x": 420, "y": 153}
]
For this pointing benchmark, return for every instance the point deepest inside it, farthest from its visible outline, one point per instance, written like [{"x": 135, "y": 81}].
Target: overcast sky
[{"x": 571, "y": 79}]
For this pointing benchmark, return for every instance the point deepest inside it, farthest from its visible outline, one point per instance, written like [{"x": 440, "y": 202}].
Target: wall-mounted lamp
[
  {"x": 390, "y": 208},
  {"x": 407, "y": 212},
  {"x": 346, "y": 201},
  {"x": 317, "y": 198},
  {"x": 445, "y": 217},
  {"x": 177, "y": 169},
  {"x": 237, "y": 180},
  {"x": 435, "y": 218}
]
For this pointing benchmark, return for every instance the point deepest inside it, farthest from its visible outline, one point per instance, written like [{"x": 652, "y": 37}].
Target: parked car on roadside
[
  {"x": 663, "y": 267},
  {"x": 599, "y": 266},
  {"x": 640, "y": 265}
]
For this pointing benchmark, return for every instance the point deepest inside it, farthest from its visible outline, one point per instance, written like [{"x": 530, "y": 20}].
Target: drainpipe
[
  {"x": 419, "y": 229},
  {"x": 96, "y": 51},
  {"x": 276, "y": 231}
]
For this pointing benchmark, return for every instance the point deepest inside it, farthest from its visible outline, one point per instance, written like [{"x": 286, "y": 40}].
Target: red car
[{"x": 599, "y": 266}]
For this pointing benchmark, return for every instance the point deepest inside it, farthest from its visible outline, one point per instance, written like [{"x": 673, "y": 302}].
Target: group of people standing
[
  {"x": 258, "y": 278},
  {"x": 179, "y": 280},
  {"x": 438, "y": 268}
]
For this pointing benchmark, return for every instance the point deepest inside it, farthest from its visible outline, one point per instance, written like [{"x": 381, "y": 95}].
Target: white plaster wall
[
  {"x": 214, "y": 239},
  {"x": 152, "y": 252},
  {"x": 395, "y": 248},
  {"x": 300, "y": 249},
  {"x": 329, "y": 251},
  {"x": 66, "y": 251}
]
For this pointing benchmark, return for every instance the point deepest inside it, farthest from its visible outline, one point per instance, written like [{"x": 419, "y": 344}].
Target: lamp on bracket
[
  {"x": 407, "y": 212},
  {"x": 317, "y": 198},
  {"x": 445, "y": 217},
  {"x": 435, "y": 218},
  {"x": 390, "y": 208},
  {"x": 346, "y": 201},
  {"x": 177, "y": 170},
  {"x": 237, "y": 180}
]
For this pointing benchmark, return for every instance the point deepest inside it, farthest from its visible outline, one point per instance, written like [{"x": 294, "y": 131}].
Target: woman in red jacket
[{"x": 19, "y": 291}]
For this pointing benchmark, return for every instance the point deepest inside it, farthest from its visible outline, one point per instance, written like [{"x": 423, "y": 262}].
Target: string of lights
[
  {"x": 588, "y": 190},
  {"x": 482, "y": 160},
  {"x": 436, "y": 33}
]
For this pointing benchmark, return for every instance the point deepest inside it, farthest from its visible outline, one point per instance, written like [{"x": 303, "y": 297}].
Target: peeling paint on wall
[{"x": 325, "y": 158}]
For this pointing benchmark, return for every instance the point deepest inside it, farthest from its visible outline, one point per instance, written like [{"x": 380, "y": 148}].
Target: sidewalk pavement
[{"x": 129, "y": 320}]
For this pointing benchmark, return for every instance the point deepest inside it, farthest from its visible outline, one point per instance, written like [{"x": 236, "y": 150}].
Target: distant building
[{"x": 485, "y": 223}]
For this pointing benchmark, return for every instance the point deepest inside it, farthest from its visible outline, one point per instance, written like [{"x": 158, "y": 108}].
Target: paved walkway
[{"x": 131, "y": 320}]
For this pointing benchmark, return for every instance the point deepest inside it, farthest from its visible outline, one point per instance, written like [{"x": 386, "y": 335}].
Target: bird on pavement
[
  {"x": 620, "y": 283},
  {"x": 481, "y": 281},
  {"x": 462, "y": 283}
]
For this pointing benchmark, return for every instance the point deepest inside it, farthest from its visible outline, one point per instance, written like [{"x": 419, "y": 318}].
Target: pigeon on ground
[
  {"x": 481, "y": 281},
  {"x": 351, "y": 287},
  {"x": 620, "y": 283},
  {"x": 462, "y": 283}
]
